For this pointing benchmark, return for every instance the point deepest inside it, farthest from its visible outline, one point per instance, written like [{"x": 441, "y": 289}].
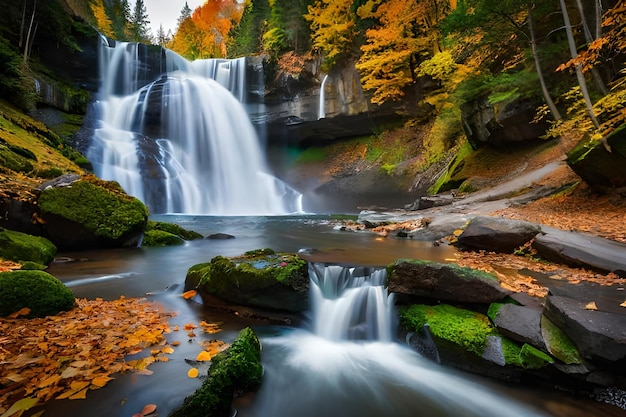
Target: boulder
[
  {"x": 519, "y": 323},
  {"x": 444, "y": 282},
  {"x": 600, "y": 168},
  {"x": 496, "y": 234},
  {"x": 89, "y": 214},
  {"x": 261, "y": 278},
  {"x": 17, "y": 246},
  {"x": 38, "y": 291},
  {"x": 597, "y": 334},
  {"x": 581, "y": 250}
]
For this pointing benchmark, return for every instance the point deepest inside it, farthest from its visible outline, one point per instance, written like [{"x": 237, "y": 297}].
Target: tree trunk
[
  {"x": 589, "y": 38},
  {"x": 28, "y": 36},
  {"x": 533, "y": 43},
  {"x": 22, "y": 25},
  {"x": 579, "y": 71}
]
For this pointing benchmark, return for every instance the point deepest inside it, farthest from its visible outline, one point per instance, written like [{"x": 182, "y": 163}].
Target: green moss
[
  {"x": 494, "y": 308},
  {"x": 50, "y": 173},
  {"x": 17, "y": 246},
  {"x": 160, "y": 238},
  {"x": 173, "y": 229},
  {"x": 33, "y": 266},
  {"x": 107, "y": 212},
  {"x": 41, "y": 292},
  {"x": 559, "y": 344},
  {"x": 452, "y": 176},
  {"x": 237, "y": 369}
]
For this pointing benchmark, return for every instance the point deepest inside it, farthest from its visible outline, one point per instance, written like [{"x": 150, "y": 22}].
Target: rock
[
  {"x": 39, "y": 291},
  {"x": 91, "y": 214},
  {"x": 522, "y": 324},
  {"x": 597, "y": 334},
  {"x": 581, "y": 250},
  {"x": 261, "y": 279},
  {"x": 601, "y": 169},
  {"x": 497, "y": 234},
  {"x": 220, "y": 236},
  {"x": 173, "y": 229},
  {"x": 559, "y": 344},
  {"x": 161, "y": 238},
  {"x": 444, "y": 282},
  {"x": 234, "y": 371},
  {"x": 17, "y": 246}
]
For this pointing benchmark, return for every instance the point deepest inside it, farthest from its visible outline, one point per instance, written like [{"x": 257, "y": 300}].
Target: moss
[
  {"x": 461, "y": 272},
  {"x": 107, "y": 212},
  {"x": 452, "y": 177},
  {"x": 50, "y": 173},
  {"x": 160, "y": 238},
  {"x": 233, "y": 371},
  {"x": 33, "y": 266},
  {"x": 494, "y": 308},
  {"x": 173, "y": 229},
  {"x": 559, "y": 344},
  {"x": 17, "y": 246},
  {"x": 41, "y": 292}
]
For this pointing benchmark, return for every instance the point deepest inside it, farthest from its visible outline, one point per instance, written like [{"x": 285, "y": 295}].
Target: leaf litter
[{"x": 67, "y": 355}]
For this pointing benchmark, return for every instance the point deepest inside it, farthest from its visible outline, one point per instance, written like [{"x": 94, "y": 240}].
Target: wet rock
[
  {"x": 522, "y": 324},
  {"x": 220, "y": 236},
  {"x": 597, "y": 334},
  {"x": 496, "y": 234},
  {"x": 444, "y": 282},
  {"x": 581, "y": 250}
]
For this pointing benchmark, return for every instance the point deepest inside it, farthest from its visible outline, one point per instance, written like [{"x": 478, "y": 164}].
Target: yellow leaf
[
  {"x": 80, "y": 395},
  {"x": 74, "y": 389},
  {"x": 591, "y": 306},
  {"x": 193, "y": 373},
  {"x": 203, "y": 356},
  {"x": 22, "y": 312},
  {"x": 19, "y": 407},
  {"x": 69, "y": 372},
  {"x": 168, "y": 349},
  {"x": 623, "y": 304},
  {"x": 50, "y": 381},
  {"x": 189, "y": 294},
  {"x": 100, "y": 381}
]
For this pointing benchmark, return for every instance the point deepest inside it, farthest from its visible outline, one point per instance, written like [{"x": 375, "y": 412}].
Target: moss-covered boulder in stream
[
  {"x": 20, "y": 247},
  {"x": 260, "y": 278},
  {"x": 234, "y": 371},
  {"x": 90, "y": 213},
  {"x": 167, "y": 234},
  {"x": 39, "y": 291}
]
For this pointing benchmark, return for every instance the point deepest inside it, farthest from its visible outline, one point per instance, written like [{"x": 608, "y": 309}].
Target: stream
[{"x": 307, "y": 374}]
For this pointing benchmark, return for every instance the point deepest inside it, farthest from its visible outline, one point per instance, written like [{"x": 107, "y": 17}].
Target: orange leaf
[
  {"x": 148, "y": 409},
  {"x": 80, "y": 395},
  {"x": 189, "y": 326},
  {"x": 189, "y": 294},
  {"x": 100, "y": 381},
  {"x": 51, "y": 380},
  {"x": 24, "y": 311},
  {"x": 193, "y": 373},
  {"x": 203, "y": 356}
]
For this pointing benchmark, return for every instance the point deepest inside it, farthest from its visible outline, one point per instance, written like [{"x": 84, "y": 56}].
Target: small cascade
[
  {"x": 349, "y": 365},
  {"x": 350, "y": 303},
  {"x": 322, "y": 108},
  {"x": 175, "y": 134}
]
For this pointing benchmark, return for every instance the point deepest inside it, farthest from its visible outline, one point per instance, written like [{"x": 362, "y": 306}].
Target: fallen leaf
[
  {"x": 101, "y": 381},
  {"x": 193, "y": 373},
  {"x": 623, "y": 304},
  {"x": 24, "y": 311},
  {"x": 148, "y": 409},
  {"x": 203, "y": 356},
  {"x": 591, "y": 306},
  {"x": 20, "y": 406},
  {"x": 189, "y": 294},
  {"x": 189, "y": 326}
]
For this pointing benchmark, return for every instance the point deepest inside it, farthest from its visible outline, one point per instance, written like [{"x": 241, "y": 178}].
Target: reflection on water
[{"x": 384, "y": 372}]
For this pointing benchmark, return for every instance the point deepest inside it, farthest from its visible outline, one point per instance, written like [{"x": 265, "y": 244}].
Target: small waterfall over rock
[
  {"x": 349, "y": 366},
  {"x": 175, "y": 134},
  {"x": 322, "y": 106}
]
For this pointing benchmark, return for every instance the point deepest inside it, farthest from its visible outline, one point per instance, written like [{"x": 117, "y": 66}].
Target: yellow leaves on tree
[
  {"x": 67, "y": 355},
  {"x": 332, "y": 27},
  {"x": 403, "y": 36},
  {"x": 204, "y": 34}
]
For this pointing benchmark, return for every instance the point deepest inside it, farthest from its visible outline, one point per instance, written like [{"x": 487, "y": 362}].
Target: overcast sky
[{"x": 166, "y": 12}]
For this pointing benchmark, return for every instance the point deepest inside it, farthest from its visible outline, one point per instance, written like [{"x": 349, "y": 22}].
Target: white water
[
  {"x": 348, "y": 365},
  {"x": 183, "y": 143},
  {"x": 322, "y": 105}
]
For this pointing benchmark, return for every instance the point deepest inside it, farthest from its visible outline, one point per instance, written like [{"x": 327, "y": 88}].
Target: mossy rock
[
  {"x": 21, "y": 247},
  {"x": 559, "y": 344},
  {"x": 260, "y": 278},
  {"x": 161, "y": 238},
  {"x": 236, "y": 370},
  {"x": 91, "y": 213},
  {"x": 42, "y": 293},
  {"x": 174, "y": 229},
  {"x": 470, "y": 331}
]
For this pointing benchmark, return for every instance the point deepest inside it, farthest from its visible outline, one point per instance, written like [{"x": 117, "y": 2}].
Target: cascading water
[
  {"x": 174, "y": 135},
  {"x": 349, "y": 366},
  {"x": 322, "y": 106}
]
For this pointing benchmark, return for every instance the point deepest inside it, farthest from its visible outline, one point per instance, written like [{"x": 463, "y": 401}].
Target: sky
[{"x": 166, "y": 12}]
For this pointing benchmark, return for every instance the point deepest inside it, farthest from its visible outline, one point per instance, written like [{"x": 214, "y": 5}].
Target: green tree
[
  {"x": 287, "y": 28},
  {"x": 245, "y": 38},
  {"x": 139, "y": 29},
  {"x": 185, "y": 13}
]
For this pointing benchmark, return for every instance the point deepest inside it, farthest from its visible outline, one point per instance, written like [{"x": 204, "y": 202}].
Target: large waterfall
[
  {"x": 175, "y": 134},
  {"x": 348, "y": 364}
]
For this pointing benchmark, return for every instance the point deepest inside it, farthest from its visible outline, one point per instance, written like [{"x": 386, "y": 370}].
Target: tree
[
  {"x": 139, "y": 29},
  {"x": 161, "y": 38},
  {"x": 287, "y": 29},
  {"x": 245, "y": 37},
  {"x": 104, "y": 23},
  {"x": 185, "y": 13},
  {"x": 333, "y": 28}
]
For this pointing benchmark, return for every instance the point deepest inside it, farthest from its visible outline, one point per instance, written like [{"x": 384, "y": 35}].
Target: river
[{"x": 305, "y": 375}]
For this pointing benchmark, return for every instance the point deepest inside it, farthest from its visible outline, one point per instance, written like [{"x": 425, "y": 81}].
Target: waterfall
[
  {"x": 322, "y": 111},
  {"x": 348, "y": 365},
  {"x": 175, "y": 134}
]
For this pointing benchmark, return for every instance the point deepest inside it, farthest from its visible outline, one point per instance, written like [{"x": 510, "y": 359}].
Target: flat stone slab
[
  {"x": 496, "y": 234},
  {"x": 581, "y": 250},
  {"x": 597, "y": 334},
  {"x": 520, "y": 323}
]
